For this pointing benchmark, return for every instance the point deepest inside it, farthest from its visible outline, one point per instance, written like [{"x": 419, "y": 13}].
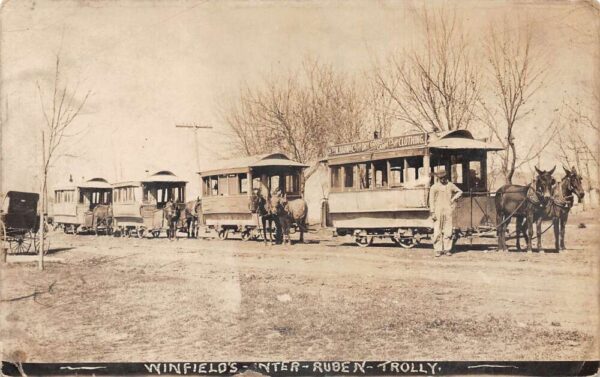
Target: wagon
[
  {"x": 138, "y": 205},
  {"x": 379, "y": 188},
  {"x": 19, "y": 222},
  {"x": 227, "y": 189},
  {"x": 74, "y": 205}
]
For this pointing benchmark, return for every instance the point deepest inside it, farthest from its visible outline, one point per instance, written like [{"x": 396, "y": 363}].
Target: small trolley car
[
  {"x": 380, "y": 188},
  {"x": 19, "y": 222},
  {"x": 228, "y": 186},
  {"x": 74, "y": 204},
  {"x": 138, "y": 205}
]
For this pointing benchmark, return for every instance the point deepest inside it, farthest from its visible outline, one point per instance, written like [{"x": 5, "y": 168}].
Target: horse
[
  {"x": 102, "y": 215},
  {"x": 289, "y": 213},
  {"x": 192, "y": 212},
  {"x": 557, "y": 209},
  {"x": 172, "y": 213},
  {"x": 522, "y": 202},
  {"x": 259, "y": 205}
]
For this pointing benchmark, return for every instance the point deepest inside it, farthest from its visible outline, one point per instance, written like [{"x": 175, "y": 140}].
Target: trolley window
[
  {"x": 396, "y": 172},
  {"x": 380, "y": 173},
  {"x": 243, "y": 183},
  {"x": 214, "y": 186},
  {"x": 336, "y": 177},
  {"x": 275, "y": 183},
  {"x": 348, "y": 176},
  {"x": 292, "y": 183},
  {"x": 233, "y": 187},
  {"x": 475, "y": 176},
  {"x": 222, "y": 185},
  {"x": 365, "y": 176}
]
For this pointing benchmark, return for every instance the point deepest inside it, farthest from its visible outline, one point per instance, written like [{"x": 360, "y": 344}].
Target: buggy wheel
[
  {"x": 405, "y": 242},
  {"x": 20, "y": 244},
  {"x": 141, "y": 232},
  {"x": 156, "y": 233},
  {"x": 363, "y": 241},
  {"x": 223, "y": 233}
]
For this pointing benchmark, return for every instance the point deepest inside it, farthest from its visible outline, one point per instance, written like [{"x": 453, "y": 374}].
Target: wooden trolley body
[
  {"x": 380, "y": 188},
  {"x": 228, "y": 187},
  {"x": 74, "y": 204},
  {"x": 138, "y": 205}
]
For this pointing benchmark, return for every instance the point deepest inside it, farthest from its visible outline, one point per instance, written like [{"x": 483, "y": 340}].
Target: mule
[
  {"x": 192, "y": 212},
  {"x": 522, "y": 202},
  {"x": 558, "y": 208},
  {"x": 172, "y": 213},
  {"x": 290, "y": 212},
  {"x": 102, "y": 216},
  {"x": 260, "y": 205}
]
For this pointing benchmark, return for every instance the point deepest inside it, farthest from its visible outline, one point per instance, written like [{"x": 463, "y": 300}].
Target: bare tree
[
  {"x": 577, "y": 143},
  {"x": 63, "y": 107},
  {"x": 299, "y": 114},
  {"x": 434, "y": 88},
  {"x": 516, "y": 74}
]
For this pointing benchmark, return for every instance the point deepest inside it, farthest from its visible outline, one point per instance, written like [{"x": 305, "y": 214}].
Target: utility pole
[{"x": 195, "y": 127}]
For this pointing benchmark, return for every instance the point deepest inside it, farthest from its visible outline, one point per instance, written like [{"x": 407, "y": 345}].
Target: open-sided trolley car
[
  {"x": 19, "y": 222},
  {"x": 74, "y": 204},
  {"x": 380, "y": 188},
  {"x": 138, "y": 205},
  {"x": 228, "y": 186}
]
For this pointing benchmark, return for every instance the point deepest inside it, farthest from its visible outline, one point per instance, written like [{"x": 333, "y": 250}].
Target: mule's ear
[
  {"x": 552, "y": 171},
  {"x": 566, "y": 170},
  {"x": 538, "y": 170},
  {"x": 573, "y": 170}
]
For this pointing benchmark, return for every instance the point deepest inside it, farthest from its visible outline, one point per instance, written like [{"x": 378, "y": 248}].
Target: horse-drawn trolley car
[
  {"x": 379, "y": 188},
  {"x": 74, "y": 205},
  {"x": 229, "y": 186},
  {"x": 138, "y": 206}
]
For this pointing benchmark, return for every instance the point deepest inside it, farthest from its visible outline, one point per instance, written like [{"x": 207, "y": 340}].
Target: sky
[{"x": 150, "y": 65}]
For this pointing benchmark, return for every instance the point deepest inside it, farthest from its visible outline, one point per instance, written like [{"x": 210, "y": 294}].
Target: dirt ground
[{"x": 119, "y": 299}]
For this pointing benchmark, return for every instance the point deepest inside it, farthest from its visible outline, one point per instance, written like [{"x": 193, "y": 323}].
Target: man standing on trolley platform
[{"x": 442, "y": 196}]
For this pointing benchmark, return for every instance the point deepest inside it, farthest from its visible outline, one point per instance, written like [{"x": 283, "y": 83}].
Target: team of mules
[
  {"x": 283, "y": 213},
  {"x": 542, "y": 200}
]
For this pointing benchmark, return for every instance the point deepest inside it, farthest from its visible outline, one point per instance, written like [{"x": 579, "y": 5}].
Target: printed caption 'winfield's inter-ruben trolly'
[{"x": 378, "y": 144}]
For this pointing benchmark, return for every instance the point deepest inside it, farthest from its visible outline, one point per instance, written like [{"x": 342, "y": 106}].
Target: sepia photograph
[{"x": 299, "y": 188}]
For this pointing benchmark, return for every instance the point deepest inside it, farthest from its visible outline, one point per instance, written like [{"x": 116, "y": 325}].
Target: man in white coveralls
[{"x": 442, "y": 196}]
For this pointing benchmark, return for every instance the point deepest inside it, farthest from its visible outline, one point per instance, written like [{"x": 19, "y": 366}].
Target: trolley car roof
[
  {"x": 405, "y": 146},
  {"x": 241, "y": 165},
  {"x": 94, "y": 183},
  {"x": 163, "y": 176}
]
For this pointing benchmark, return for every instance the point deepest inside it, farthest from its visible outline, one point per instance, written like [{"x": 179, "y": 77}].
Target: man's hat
[{"x": 440, "y": 174}]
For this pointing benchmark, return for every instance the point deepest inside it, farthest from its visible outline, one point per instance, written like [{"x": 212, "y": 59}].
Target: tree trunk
[{"x": 513, "y": 161}]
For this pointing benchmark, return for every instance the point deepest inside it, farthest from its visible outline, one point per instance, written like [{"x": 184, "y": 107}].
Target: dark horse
[
  {"x": 289, "y": 213},
  {"x": 193, "y": 211},
  {"x": 102, "y": 216},
  {"x": 522, "y": 202},
  {"x": 172, "y": 213},
  {"x": 558, "y": 207},
  {"x": 260, "y": 206}
]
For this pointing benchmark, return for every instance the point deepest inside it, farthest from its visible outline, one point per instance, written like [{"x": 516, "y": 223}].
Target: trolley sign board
[{"x": 378, "y": 144}]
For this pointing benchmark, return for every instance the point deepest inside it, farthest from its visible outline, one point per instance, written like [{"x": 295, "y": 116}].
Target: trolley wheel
[
  {"x": 141, "y": 232},
  {"x": 363, "y": 241},
  {"x": 246, "y": 235},
  {"x": 20, "y": 244},
  {"x": 155, "y": 233},
  {"x": 407, "y": 243},
  {"x": 223, "y": 233}
]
